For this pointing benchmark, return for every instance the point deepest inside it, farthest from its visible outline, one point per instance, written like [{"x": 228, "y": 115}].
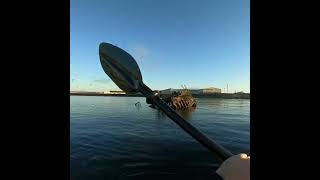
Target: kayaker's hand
[{"x": 236, "y": 167}]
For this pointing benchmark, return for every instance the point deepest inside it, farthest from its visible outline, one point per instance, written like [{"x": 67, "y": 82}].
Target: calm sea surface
[{"x": 111, "y": 138}]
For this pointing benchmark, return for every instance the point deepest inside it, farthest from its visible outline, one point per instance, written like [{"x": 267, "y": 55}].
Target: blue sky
[{"x": 203, "y": 43}]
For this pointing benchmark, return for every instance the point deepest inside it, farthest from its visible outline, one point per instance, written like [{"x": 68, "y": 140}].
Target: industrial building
[{"x": 210, "y": 90}]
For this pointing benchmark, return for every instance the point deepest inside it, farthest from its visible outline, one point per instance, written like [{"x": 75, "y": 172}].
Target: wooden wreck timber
[{"x": 179, "y": 101}]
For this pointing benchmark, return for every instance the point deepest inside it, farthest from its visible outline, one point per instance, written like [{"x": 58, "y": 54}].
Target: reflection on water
[{"x": 186, "y": 113}]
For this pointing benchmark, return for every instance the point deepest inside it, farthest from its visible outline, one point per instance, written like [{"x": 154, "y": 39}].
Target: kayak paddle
[{"x": 124, "y": 71}]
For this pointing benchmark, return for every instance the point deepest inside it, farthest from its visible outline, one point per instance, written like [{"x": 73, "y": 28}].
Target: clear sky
[{"x": 197, "y": 43}]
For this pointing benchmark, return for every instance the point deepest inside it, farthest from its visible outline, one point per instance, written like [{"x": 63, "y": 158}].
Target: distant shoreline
[
  {"x": 218, "y": 95},
  {"x": 97, "y": 94}
]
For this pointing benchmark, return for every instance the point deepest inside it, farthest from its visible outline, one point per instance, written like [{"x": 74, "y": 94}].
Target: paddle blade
[{"x": 121, "y": 67}]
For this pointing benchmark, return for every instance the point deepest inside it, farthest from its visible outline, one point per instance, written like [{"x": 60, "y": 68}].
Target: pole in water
[{"x": 227, "y": 89}]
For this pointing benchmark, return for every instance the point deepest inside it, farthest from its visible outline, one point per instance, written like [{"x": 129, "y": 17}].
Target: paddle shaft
[{"x": 195, "y": 133}]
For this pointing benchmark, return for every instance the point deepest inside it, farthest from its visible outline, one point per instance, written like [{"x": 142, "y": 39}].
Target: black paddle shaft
[{"x": 195, "y": 133}]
